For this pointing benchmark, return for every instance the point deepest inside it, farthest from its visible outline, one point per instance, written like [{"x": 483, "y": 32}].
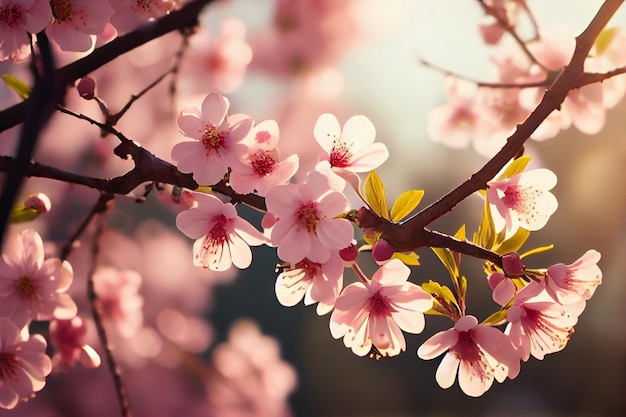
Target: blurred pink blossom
[
  {"x": 18, "y": 18},
  {"x": 132, "y": 13},
  {"x": 68, "y": 339},
  {"x": 23, "y": 364}
]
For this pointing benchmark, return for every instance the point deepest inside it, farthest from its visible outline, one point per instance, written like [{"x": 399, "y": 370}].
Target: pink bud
[
  {"x": 350, "y": 253},
  {"x": 512, "y": 264},
  {"x": 382, "y": 251},
  {"x": 38, "y": 202},
  {"x": 86, "y": 88}
]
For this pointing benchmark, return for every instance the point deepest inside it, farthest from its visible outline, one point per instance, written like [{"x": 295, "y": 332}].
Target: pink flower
[
  {"x": 570, "y": 283},
  {"x": 216, "y": 140},
  {"x": 306, "y": 223},
  {"x": 538, "y": 325},
  {"x": 478, "y": 352},
  {"x": 262, "y": 168},
  {"x": 67, "y": 338},
  {"x": 373, "y": 314},
  {"x": 503, "y": 288},
  {"x": 17, "y": 19},
  {"x": 76, "y": 22},
  {"x": 313, "y": 281},
  {"x": 352, "y": 148},
  {"x": 23, "y": 365},
  {"x": 524, "y": 199},
  {"x": 31, "y": 288},
  {"x": 118, "y": 295},
  {"x": 223, "y": 238},
  {"x": 132, "y": 13}
]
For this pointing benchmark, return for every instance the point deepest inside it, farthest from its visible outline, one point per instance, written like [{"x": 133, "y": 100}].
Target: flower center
[
  {"x": 142, "y": 5},
  {"x": 307, "y": 216},
  {"x": 10, "y": 14},
  {"x": 263, "y": 163},
  {"x": 26, "y": 288},
  {"x": 340, "y": 155},
  {"x": 61, "y": 10},
  {"x": 213, "y": 242},
  {"x": 379, "y": 305},
  {"x": 8, "y": 366},
  {"x": 212, "y": 139}
]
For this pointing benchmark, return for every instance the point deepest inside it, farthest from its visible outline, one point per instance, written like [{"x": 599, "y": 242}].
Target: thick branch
[
  {"x": 404, "y": 237},
  {"x": 186, "y": 17}
]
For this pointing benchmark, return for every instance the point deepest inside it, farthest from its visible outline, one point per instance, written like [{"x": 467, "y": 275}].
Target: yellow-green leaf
[
  {"x": 22, "y": 214},
  {"x": 20, "y": 87},
  {"x": 536, "y": 251},
  {"x": 486, "y": 234},
  {"x": 514, "y": 243},
  {"x": 410, "y": 258},
  {"x": 515, "y": 167},
  {"x": 375, "y": 195},
  {"x": 447, "y": 259},
  {"x": 441, "y": 291},
  {"x": 604, "y": 39},
  {"x": 460, "y": 234},
  {"x": 405, "y": 204},
  {"x": 496, "y": 318}
]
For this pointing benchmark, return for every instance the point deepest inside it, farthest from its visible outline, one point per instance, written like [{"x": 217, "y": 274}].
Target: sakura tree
[{"x": 158, "y": 152}]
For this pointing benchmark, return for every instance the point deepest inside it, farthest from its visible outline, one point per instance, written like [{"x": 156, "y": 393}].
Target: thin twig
[{"x": 96, "y": 308}]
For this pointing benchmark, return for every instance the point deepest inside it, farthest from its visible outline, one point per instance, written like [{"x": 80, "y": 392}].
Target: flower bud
[
  {"x": 350, "y": 253},
  {"x": 382, "y": 251},
  {"x": 512, "y": 264},
  {"x": 86, "y": 88}
]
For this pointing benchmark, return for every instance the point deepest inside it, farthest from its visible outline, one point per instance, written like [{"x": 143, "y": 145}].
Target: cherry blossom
[
  {"x": 18, "y": 18},
  {"x": 76, "y": 23},
  {"x": 223, "y": 238},
  {"x": 32, "y": 288},
  {"x": 23, "y": 364},
  {"x": 262, "y": 168},
  {"x": 67, "y": 338},
  {"x": 538, "y": 325},
  {"x": 351, "y": 148},
  {"x": 131, "y": 13},
  {"x": 524, "y": 200},
  {"x": 313, "y": 281},
  {"x": 216, "y": 140},
  {"x": 503, "y": 288},
  {"x": 373, "y": 314},
  {"x": 570, "y": 283},
  {"x": 478, "y": 352},
  {"x": 118, "y": 295},
  {"x": 305, "y": 219}
]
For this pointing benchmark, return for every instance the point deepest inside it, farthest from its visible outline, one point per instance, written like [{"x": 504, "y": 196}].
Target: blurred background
[{"x": 355, "y": 57}]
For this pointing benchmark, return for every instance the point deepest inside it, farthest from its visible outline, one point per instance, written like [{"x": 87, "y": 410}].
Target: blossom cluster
[{"x": 484, "y": 114}]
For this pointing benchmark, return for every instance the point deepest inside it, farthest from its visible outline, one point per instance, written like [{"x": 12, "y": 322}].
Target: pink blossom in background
[
  {"x": 262, "y": 167},
  {"x": 130, "y": 14},
  {"x": 313, "y": 281},
  {"x": 539, "y": 325},
  {"x": 306, "y": 223},
  {"x": 373, "y": 314},
  {"x": 23, "y": 364},
  {"x": 478, "y": 352},
  {"x": 118, "y": 295},
  {"x": 249, "y": 378},
  {"x": 67, "y": 337},
  {"x": 222, "y": 237},
  {"x": 217, "y": 139},
  {"x": 351, "y": 148},
  {"x": 76, "y": 23},
  {"x": 524, "y": 199},
  {"x": 32, "y": 288},
  {"x": 579, "y": 280},
  {"x": 17, "y": 19},
  {"x": 217, "y": 63}
]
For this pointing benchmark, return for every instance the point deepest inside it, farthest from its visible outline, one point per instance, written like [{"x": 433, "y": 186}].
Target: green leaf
[
  {"x": 536, "y": 251},
  {"x": 405, "y": 204},
  {"x": 517, "y": 166},
  {"x": 410, "y": 258},
  {"x": 447, "y": 259},
  {"x": 20, "y": 87},
  {"x": 486, "y": 234},
  {"x": 604, "y": 39},
  {"x": 514, "y": 243},
  {"x": 496, "y": 318},
  {"x": 375, "y": 195}
]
